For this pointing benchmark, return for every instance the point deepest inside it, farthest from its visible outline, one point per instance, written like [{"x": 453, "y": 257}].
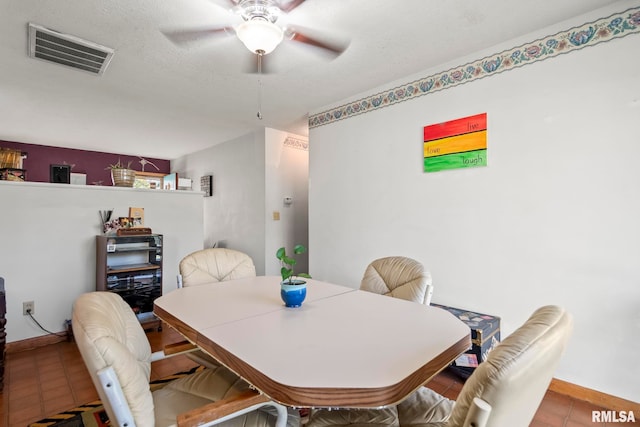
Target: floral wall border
[
  {"x": 296, "y": 143},
  {"x": 589, "y": 34}
]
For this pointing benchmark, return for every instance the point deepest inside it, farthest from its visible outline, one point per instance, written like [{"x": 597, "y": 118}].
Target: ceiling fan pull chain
[
  {"x": 259, "y": 115},
  {"x": 259, "y": 53}
]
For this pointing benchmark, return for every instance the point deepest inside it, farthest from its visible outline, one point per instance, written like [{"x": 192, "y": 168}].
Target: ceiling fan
[{"x": 259, "y": 31}]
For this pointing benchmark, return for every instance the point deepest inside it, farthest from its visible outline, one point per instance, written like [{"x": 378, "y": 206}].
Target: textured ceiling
[{"x": 161, "y": 100}]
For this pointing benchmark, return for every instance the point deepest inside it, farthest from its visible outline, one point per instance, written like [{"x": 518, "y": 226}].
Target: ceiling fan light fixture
[{"x": 260, "y": 35}]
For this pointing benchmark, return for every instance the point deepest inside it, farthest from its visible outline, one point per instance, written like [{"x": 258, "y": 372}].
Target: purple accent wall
[{"x": 91, "y": 163}]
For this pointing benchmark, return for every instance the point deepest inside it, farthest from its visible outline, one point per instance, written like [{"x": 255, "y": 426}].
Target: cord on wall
[{"x": 58, "y": 334}]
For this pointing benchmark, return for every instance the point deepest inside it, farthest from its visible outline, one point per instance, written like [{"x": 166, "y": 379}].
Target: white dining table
[{"x": 342, "y": 348}]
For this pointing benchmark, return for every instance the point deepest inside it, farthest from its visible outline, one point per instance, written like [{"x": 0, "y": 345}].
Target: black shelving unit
[{"x": 131, "y": 266}]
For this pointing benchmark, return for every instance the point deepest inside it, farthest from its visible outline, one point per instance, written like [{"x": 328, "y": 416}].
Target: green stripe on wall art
[{"x": 467, "y": 159}]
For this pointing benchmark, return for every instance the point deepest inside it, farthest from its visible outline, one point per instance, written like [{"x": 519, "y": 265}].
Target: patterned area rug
[{"x": 93, "y": 414}]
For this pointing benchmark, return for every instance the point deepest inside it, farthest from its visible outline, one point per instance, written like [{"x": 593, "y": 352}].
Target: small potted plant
[
  {"x": 121, "y": 175},
  {"x": 293, "y": 290}
]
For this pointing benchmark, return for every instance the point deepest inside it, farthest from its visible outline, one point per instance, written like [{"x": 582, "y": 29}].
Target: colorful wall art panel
[{"x": 460, "y": 143}]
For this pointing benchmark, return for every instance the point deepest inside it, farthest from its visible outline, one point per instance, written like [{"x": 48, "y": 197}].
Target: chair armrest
[
  {"x": 428, "y": 295},
  {"x": 225, "y": 409},
  {"x": 173, "y": 350},
  {"x": 114, "y": 396},
  {"x": 478, "y": 414}
]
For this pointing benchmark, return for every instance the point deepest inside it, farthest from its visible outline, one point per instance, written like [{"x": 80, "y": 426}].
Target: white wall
[
  {"x": 287, "y": 175},
  {"x": 233, "y": 215},
  {"x": 47, "y": 243},
  {"x": 552, "y": 219},
  {"x": 251, "y": 175}
]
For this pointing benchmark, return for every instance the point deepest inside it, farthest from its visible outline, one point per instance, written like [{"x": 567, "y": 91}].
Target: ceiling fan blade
[
  {"x": 228, "y": 5},
  {"x": 186, "y": 37},
  {"x": 334, "y": 46},
  {"x": 288, "y": 5}
]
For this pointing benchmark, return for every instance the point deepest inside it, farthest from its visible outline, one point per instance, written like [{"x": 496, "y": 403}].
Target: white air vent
[{"x": 68, "y": 50}]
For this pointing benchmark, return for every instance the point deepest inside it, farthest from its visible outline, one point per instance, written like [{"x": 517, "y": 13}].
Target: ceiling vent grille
[{"x": 68, "y": 50}]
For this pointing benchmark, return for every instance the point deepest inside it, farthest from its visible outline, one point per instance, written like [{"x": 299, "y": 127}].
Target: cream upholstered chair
[
  {"x": 399, "y": 277},
  {"x": 118, "y": 356},
  {"x": 214, "y": 265},
  {"x": 504, "y": 391}
]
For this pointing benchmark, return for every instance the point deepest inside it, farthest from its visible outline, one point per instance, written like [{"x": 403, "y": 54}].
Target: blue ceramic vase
[{"x": 293, "y": 293}]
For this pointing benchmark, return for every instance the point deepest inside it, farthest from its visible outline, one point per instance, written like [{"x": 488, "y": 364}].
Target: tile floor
[{"x": 51, "y": 379}]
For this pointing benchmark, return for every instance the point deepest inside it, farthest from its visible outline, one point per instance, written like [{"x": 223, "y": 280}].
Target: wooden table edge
[{"x": 318, "y": 397}]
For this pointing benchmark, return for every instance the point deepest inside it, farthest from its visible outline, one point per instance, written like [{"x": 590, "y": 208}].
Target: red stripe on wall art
[{"x": 456, "y": 127}]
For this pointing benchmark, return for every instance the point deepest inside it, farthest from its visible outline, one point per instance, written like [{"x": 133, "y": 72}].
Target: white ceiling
[{"x": 160, "y": 100}]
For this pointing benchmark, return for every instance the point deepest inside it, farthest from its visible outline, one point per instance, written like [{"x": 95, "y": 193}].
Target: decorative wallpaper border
[
  {"x": 296, "y": 143},
  {"x": 589, "y": 34}
]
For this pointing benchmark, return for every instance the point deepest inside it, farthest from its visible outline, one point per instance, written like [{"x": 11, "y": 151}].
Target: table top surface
[{"x": 342, "y": 348}]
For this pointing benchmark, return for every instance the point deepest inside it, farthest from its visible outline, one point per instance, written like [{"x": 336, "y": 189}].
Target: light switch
[{"x": 276, "y": 216}]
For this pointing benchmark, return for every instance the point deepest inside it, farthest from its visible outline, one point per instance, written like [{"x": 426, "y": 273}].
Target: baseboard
[
  {"x": 595, "y": 397},
  {"x": 35, "y": 342}
]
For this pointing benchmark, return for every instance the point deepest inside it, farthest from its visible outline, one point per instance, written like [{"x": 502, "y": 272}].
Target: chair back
[
  {"x": 517, "y": 373},
  {"x": 109, "y": 335},
  {"x": 399, "y": 277},
  {"x": 215, "y": 265}
]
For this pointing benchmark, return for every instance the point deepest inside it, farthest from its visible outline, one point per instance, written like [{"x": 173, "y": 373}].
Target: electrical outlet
[{"x": 28, "y": 307}]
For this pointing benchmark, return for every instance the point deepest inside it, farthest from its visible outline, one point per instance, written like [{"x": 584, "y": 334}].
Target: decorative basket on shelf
[{"x": 123, "y": 177}]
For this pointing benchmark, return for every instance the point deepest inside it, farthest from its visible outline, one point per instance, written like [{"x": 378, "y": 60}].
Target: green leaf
[
  {"x": 280, "y": 254},
  {"x": 285, "y": 273},
  {"x": 305, "y": 275},
  {"x": 288, "y": 260},
  {"x": 299, "y": 249}
]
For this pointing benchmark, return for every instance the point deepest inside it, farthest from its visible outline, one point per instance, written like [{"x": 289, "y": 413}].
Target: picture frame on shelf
[
  {"x": 125, "y": 222},
  {"x": 60, "y": 174},
  {"x": 149, "y": 180},
  {"x": 137, "y": 216},
  {"x": 170, "y": 181},
  {"x": 78, "y": 178}
]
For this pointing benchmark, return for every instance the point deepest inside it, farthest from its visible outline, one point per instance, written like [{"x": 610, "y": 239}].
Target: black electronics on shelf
[{"x": 131, "y": 266}]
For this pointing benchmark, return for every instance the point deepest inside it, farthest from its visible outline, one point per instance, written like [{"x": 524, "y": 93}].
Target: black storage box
[{"x": 485, "y": 335}]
